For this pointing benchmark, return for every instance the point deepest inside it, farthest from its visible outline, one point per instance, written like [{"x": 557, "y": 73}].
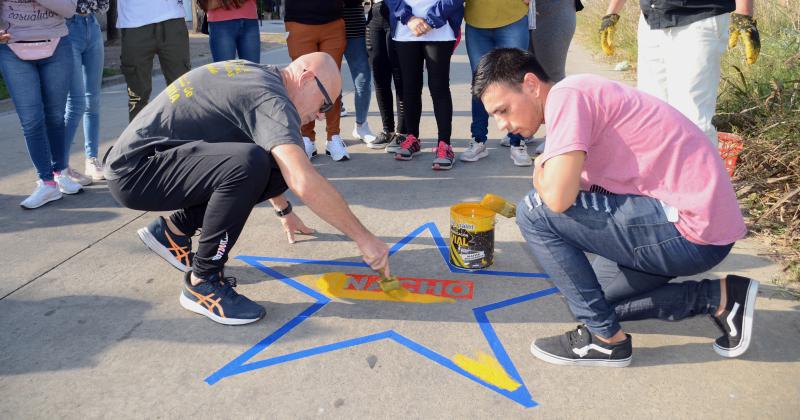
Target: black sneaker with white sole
[
  {"x": 736, "y": 321},
  {"x": 174, "y": 249},
  {"x": 578, "y": 347},
  {"x": 216, "y": 299}
]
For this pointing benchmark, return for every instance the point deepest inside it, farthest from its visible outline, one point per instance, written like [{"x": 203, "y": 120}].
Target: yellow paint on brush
[
  {"x": 499, "y": 205},
  {"x": 333, "y": 285},
  {"x": 488, "y": 369}
]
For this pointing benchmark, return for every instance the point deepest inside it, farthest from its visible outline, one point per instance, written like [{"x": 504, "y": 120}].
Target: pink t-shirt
[
  {"x": 247, "y": 11},
  {"x": 637, "y": 144}
]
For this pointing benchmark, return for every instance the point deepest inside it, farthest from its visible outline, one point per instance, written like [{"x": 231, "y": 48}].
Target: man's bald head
[
  {"x": 326, "y": 70},
  {"x": 303, "y": 89}
]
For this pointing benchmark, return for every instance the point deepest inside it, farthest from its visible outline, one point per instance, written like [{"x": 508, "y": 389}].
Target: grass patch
[
  {"x": 110, "y": 71},
  {"x": 3, "y": 89},
  {"x": 760, "y": 102}
]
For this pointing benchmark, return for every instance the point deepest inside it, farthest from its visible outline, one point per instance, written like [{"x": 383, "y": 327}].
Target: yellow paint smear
[
  {"x": 488, "y": 369},
  {"x": 333, "y": 285}
]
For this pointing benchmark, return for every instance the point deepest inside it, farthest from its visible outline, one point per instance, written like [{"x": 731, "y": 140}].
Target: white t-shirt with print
[
  {"x": 136, "y": 13},
  {"x": 420, "y": 9}
]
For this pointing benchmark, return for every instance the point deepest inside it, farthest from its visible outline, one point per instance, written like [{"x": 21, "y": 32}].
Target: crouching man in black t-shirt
[{"x": 213, "y": 144}]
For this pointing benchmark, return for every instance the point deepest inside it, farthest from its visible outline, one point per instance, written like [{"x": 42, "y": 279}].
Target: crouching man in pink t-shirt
[{"x": 626, "y": 177}]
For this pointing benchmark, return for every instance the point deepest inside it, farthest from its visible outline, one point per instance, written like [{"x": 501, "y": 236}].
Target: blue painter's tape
[{"x": 239, "y": 365}]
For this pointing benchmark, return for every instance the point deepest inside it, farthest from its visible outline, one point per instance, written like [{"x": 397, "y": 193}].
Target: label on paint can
[{"x": 470, "y": 249}]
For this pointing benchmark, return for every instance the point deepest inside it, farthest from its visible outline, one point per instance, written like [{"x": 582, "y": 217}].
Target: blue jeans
[
  {"x": 39, "y": 91},
  {"x": 83, "y": 100},
  {"x": 481, "y": 41},
  {"x": 640, "y": 251},
  {"x": 358, "y": 62},
  {"x": 229, "y": 37}
]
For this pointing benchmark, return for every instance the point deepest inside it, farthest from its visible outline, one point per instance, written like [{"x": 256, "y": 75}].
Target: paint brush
[
  {"x": 499, "y": 205},
  {"x": 389, "y": 283},
  {"x": 392, "y": 287}
]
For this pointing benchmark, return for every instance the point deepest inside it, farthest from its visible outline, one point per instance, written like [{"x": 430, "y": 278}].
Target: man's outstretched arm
[{"x": 323, "y": 199}]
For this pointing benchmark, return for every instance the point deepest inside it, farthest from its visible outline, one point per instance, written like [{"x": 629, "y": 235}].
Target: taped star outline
[{"x": 242, "y": 364}]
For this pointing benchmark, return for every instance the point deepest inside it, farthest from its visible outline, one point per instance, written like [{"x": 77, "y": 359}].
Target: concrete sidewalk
[{"x": 90, "y": 325}]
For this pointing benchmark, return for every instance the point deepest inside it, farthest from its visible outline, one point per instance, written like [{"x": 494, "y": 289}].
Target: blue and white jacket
[{"x": 443, "y": 12}]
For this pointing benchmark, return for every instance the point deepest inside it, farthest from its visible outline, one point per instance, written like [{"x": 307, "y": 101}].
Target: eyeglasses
[{"x": 328, "y": 104}]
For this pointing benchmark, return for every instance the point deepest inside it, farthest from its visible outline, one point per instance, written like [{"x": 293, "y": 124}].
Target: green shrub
[{"x": 760, "y": 102}]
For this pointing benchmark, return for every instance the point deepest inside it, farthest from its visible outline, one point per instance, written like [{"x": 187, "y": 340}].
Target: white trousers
[{"x": 681, "y": 66}]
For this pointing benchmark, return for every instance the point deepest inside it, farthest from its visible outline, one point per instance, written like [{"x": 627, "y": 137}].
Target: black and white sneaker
[
  {"x": 736, "y": 321},
  {"x": 579, "y": 347}
]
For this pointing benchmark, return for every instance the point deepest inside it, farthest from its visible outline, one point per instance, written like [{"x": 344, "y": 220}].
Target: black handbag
[{"x": 578, "y": 5}]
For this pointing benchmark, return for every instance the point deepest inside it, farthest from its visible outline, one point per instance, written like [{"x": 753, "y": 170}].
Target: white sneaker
[
  {"x": 42, "y": 195},
  {"x": 476, "y": 150},
  {"x": 94, "y": 169},
  {"x": 520, "y": 156},
  {"x": 362, "y": 132},
  {"x": 336, "y": 148},
  {"x": 506, "y": 141},
  {"x": 310, "y": 146},
  {"x": 343, "y": 112},
  {"x": 66, "y": 185},
  {"x": 78, "y": 177}
]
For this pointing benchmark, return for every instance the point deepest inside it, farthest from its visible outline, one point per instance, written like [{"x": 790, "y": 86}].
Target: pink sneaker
[
  {"x": 408, "y": 147},
  {"x": 444, "y": 157}
]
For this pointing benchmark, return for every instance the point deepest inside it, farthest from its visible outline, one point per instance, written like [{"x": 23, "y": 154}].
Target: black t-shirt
[
  {"x": 228, "y": 101},
  {"x": 662, "y": 14}
]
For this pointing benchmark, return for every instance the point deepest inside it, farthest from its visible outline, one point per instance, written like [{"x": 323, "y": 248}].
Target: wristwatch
[{"x": 285, "y": 211}]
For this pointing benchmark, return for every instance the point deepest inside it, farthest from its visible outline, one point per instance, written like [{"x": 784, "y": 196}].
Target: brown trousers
[{"x": 329, "y": 38}]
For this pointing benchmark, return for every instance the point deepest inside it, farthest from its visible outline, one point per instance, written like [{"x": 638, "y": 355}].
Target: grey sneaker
[
  {"x": 520, "y": 155},
  {"x": 395, "y": 142},
  {"x": 476, "y": 150},
  {"x": 381, "y": 140},
  {"x": 506, "y": 141}
]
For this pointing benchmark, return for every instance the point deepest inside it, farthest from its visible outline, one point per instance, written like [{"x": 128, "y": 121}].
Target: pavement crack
[{"x": 73, "y": 255}]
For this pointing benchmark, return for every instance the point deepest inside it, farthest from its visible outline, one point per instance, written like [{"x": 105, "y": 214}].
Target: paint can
[{"x": 471, "y": 236}]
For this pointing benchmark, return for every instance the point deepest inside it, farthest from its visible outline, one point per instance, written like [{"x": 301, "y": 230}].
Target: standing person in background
[
  {"x": 150, "y": 28},
  {"x": 552, "y": 26},
  {"x": 112, "y": 33},
  {"x": 551, "y": 33},
  {"x": 680, "y": 50},
  {"x": 358, "y": 62},
  {"x": 318, "y": 26},
  {"x": 233, "y": 29},
  {"x": 426, "y": 33},
  {"x": 493, "y": 24},
  {"x": 385, "y": 69},
  {"x": 83, "y": 101},
  {"x": 36, "y": 61}
]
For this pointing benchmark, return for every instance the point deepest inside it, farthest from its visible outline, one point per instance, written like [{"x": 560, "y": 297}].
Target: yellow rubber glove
[
  {"x": 743, "y": 26},
  {"x": 607, "y": 28}
]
